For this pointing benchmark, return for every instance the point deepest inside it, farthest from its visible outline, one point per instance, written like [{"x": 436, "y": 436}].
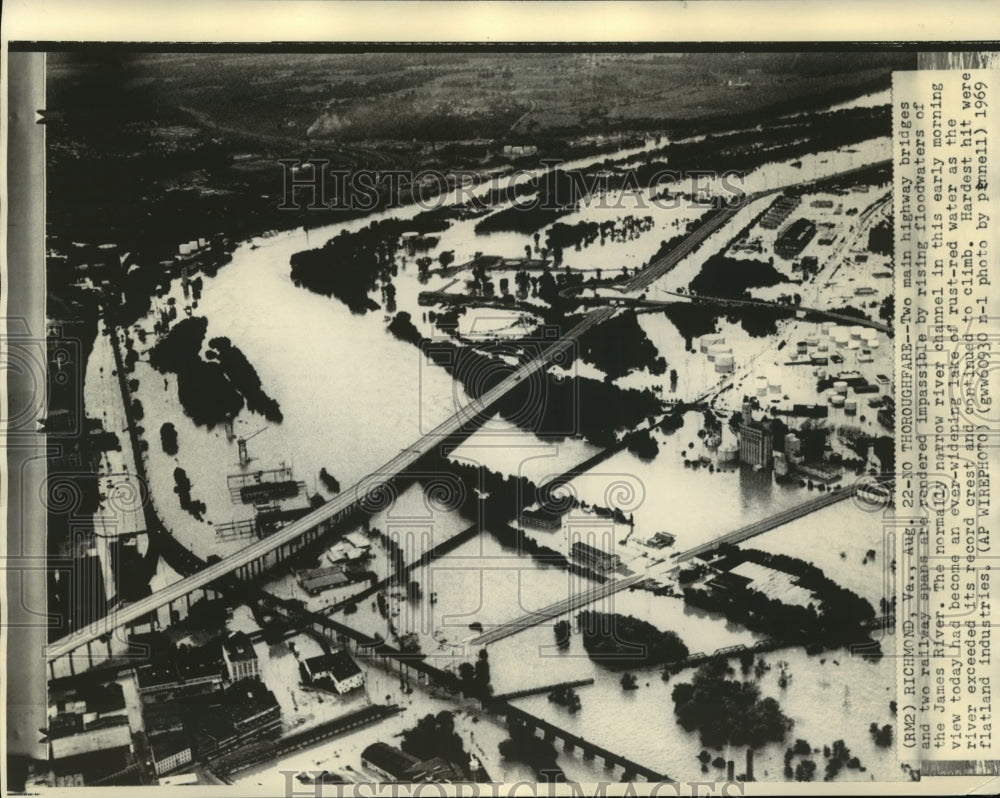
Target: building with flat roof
[
  {"x": 756, "y": 443},
  {"x": 336, "y": 667},
  {"x": 90, "y": 740},
  {"x": 169, "y": 751},
  {"x": 317, "y": 580},
  {"x": 195, "y": 672},
  {"x": 593, "y": 557},
  {"x": 162, "y": 718},
  {"x": 247, "y": 710},
  {"x": 540, "y": 518},
  {"x": 87, "y": 768},
  {"x": 240, "y": 658},
  {"x": 389, "y": 762},
  {"x": 793, "y": 239}
]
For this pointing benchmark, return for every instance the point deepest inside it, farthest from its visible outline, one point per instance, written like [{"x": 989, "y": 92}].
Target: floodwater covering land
[{"x": 329, "y": 390}]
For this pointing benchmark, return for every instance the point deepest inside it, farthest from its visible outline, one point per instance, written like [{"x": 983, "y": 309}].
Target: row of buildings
[{"x": 195, "y": 703}]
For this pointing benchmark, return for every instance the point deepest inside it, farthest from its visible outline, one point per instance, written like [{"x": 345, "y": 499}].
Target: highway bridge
[
  {"x": 267, "y": 552},
  {"x": 839, "y": 318},
  {"x": 556, "y": 609},
  {"x": 769, "y": 523},
  {"x": 724, "y": 302},
  {"x": 263, "y": 554}
]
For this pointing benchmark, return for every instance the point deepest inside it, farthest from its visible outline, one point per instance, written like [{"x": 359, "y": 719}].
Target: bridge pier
[
  {"x": 628, "y": 775},
  {"x": 588, "y": 754},
  {"x": 549, "y": 735},
  {"x": 568, "y": 745},
  {"x": 609, "y": 763}
]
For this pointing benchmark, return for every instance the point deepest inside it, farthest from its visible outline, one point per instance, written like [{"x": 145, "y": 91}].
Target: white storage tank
[
  {"x": 837, "y": 400},
  {"x": 851, "y": 407},
  {"x": 728, "y": 454},
  {"x": 724, "y": 365},
  {"x": 707, "y": 341},
  {"x": 856, "y": 332}
]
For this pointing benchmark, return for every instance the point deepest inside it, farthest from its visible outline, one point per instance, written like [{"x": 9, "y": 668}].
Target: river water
[{"x": 352, "y": 395}]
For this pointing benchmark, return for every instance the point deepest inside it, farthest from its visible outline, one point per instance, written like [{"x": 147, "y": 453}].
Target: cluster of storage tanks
[
  {"x": 856, "y": 337},
  {"x": 718, "y": 352},
  {"x": 838, "y": 398},
  {"x": 767, "y": 384}
]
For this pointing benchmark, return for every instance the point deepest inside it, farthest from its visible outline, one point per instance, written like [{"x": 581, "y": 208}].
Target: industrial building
[
  {"x": 169, "y": 751},
  {"x": 540, "y": 518},
  {"x": 240, "y": 658},
  {"x": 246, "y": 711},
  {"x": 594, "y": 558},
  {"x": 393, "y": 764},
  {"x": 317, "y": 580},
  {"x": 756, "y": 444},
  {"x": 793, "y": 239},
  {"x": 337, "y": 668},
  {"x": 388, "y": 761}
]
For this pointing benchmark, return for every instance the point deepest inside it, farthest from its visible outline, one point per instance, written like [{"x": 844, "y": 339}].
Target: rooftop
[
  {"x": 239, "y": 648},
  {"x": 338, "y": 664},
  {"x": 388, "y": 758},
  {"x": 166, "y": 745}
]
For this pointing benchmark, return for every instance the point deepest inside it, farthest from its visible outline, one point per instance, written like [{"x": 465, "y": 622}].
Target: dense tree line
[
  {"x": 620, "y": 346},
  {"x": 554, "y": 409},
  {"x": 350, "y": 265},
  {"x": 182, "y": 488},
  {"x": 210, "y": 390},
  {"x": 627, "y": 642},
  {"x": 329, "y": 481},
  {"x": 244, "y": 378},
  {"x": 722, "y": 276},
  {"x": 836, "y": 619}
]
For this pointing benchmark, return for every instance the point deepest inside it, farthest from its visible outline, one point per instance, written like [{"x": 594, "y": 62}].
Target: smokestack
[{"x": 749, "y": 764}]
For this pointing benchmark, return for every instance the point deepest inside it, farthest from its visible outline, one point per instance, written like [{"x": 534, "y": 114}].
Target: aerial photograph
[{"x": 467, "y": 415}]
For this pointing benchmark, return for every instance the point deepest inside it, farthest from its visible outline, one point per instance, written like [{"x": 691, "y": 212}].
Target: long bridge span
[
  {"x": 769, "y": 523},
  {"x": 264, "y": 554},
  {"x": 550, "y": 732},
  {"x": 556, "y": 609}
]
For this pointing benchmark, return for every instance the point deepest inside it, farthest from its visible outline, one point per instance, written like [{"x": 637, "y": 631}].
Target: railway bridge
[{"x": 550, "y": 732}]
